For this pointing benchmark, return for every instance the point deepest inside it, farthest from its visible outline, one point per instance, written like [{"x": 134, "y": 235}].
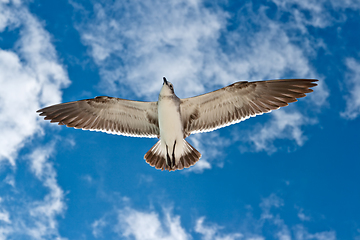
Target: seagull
[{"x": 172, "y": 119}]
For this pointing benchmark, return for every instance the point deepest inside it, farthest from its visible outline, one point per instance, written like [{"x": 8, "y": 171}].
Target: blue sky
[{"x": 290, "y": 174}]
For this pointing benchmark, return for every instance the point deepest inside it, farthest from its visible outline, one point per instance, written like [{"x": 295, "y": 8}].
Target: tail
[{"x": 156, "y": 157}]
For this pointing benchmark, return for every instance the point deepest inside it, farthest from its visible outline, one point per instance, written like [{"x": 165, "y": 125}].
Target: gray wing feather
[
  {"x": 107, "y": 114},
  {"x": 239, "y": 101}
]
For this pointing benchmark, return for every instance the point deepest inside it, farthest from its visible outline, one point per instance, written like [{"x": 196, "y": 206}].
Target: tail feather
[
  {"x": 156, "y": 158},
  {"x": 190, "y": 156}
]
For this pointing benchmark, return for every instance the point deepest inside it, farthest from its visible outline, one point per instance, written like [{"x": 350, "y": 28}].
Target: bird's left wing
[
  {"x": 238, "y": 102},
  {"x": 107, "y": 114}
]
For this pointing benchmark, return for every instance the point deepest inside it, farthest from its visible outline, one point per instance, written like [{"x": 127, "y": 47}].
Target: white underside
[{"x": 171, "y": 129}]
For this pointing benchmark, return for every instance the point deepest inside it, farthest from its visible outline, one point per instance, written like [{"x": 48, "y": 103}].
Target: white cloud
[
  {"x": 135, "y": 224},
  {"x": 352, "y": 110},
  {"x": 130, "y": 223},
  {"x": 148, "y": 225},
  {"x": 282, "y": 231},
  {"x": 180, "y": 40},
  {"x": 30, "y": 77},
  {"x": 53, "y": 204},
  {"x": 301, "y": 215},
  {"x": 268, "y": 203},
  {"x": 97, "y": 227},
  {"x": 5, "y": 217},
  {"x": 210, "y": 145},
  {"x": 136, "y": 43},
  {"x": 316, "y": 10},
  {"x": 10, "y": 180},
  {"x": 271, "y": 218},
  {"x": 282, "y": 125},
  {"x": 301, "y": 233},
  {"x": 212, "y": 232},
  {"x": 155, "y": 39},
  {"x": 34, "y": 218},
  {"x": 316, "y": 13},
  {"x": 200, "y": 166}
]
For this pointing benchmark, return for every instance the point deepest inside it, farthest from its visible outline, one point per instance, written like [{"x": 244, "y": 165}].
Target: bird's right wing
[
  {"x": 107, "y": 114},
  {"x": 238, "y": 102}
]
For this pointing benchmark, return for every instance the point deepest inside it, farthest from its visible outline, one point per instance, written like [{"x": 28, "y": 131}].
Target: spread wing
[
  {"x": 239, "y": 101},
  {"x": 107, "y": 114}
]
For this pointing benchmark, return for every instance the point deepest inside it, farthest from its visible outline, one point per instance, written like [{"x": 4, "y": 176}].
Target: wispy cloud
[
  {"x": 26, "y": 216},
  {"x": 30, "y": 77},
  {"x": 134, "y": 44},
  {"x": 4, "y": 216},
  {"x": 317, "y": 14},
  {"x": 150, "y": 225},
  {"x": 352, "y": 110},
  {"x": 212, "y": 232},
  {"x": 97, "y": 227},
  {"x": 301, "y": 233},
  {"x": 131, "y": 223},
  {"x": 181, "y": 40},
  {"x": 46, "y": 210},
  {"x": 275, "y": 225},
  {"x": 282, "y": 125},
  {"x": 211, "y": 146},
  {"x": 301, "y": 215}
]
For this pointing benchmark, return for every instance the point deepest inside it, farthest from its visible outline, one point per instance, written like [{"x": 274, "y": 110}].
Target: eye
[{"x": 171, "y": 87}]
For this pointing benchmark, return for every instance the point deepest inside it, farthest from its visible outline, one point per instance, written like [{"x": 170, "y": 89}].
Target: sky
[{"x": 289, "y": 174}]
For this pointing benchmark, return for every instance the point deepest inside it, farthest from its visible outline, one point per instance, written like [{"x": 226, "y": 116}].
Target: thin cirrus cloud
[
  {"x": 22, "y": 215},
  {"x": 30, "y": 77},
  {"x": 134, "y": 44},
  {"x": 352, "y": 110},
  {"x": 130, "y": 223},
  {"x": 212, "y": 232},
  {"x": 206, "y": 143},
  {"x": 38, "y": 218},
  {"x": 282, "y": 125},
  {"x": 316, "y": 13}
]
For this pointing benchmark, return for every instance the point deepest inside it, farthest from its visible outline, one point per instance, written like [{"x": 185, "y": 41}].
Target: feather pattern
[
  {"x": 238, "y": 102},
  {"x": 107, "y": 114},
  {"x": 155, "y": 157}
]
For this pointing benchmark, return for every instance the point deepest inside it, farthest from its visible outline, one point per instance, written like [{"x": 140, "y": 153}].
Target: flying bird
[{"x": 172, "y": 119}]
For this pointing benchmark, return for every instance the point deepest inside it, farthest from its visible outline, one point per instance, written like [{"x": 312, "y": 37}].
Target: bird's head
[{"x": 167, "y": 88}]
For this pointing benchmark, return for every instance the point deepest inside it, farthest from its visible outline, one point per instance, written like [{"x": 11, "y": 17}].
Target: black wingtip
[{"x": 40, "y": 110}]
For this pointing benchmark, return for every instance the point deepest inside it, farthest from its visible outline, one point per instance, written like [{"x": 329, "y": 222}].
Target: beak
[{"x": 165, "y": 81}]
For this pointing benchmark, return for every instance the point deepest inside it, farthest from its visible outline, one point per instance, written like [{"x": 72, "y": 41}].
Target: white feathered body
[{"x": 171, "y": 129}]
